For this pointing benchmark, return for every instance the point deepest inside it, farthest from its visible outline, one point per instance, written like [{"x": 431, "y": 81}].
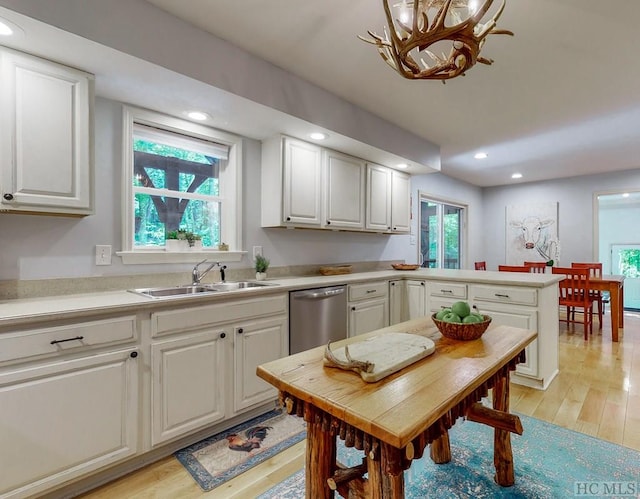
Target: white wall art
[{"x": 532, "y": 234}]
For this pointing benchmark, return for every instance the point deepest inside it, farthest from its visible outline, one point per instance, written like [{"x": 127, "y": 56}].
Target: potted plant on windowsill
[
  {"x": 261, "y": 266},
  {"x": 182, "y": 240}
]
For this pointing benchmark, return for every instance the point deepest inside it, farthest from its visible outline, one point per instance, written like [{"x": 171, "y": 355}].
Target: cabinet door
[
  {"x": 302, "y": 196},
  {"x": 416, "y": 299},
  {"x": 368, "y": 316},
  {"x": 396, "y": 302},
  {"x": 401, "y": 202},
  {"x": 256, "y": 343},
  {"x": 378, "y": 198},
  {"x": 521, "y": 317},
  {"x": 65, "y": 419},
  {"x": 188, "y": 380},
  {"x": 45, "y": 145},
  {"x": 345, "y": 190}
]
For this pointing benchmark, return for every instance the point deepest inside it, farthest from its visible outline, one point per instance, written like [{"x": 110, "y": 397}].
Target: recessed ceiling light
[
  {"x": 481, "y": 155},
  {"x": 197, "y": 115},
  {"x": 7, "y": 28},
  {"x": 625, "y": 195},
  {"x": 318, "y": 136},
  {"x": 516, "y": 175}
]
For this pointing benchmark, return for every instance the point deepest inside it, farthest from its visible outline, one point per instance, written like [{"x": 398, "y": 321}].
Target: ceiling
[{"x": 561, "y": 99}]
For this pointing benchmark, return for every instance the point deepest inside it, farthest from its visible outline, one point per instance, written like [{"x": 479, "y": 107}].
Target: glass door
[
  {"x": 440, "y": 234},
  {"x": 618, "y": 246},
  {"x": 625, "y": 260}
]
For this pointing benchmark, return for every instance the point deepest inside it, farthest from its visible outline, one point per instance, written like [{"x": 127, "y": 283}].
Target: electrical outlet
[
  {"x": 257, "y": 250},
  {"x": 103, "y": 254}
]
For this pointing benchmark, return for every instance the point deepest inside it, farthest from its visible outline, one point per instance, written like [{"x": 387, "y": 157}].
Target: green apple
[
  {"x": 479, "y": 316},
  {"x": 452, "y": 317},
  {"x": 471, "y": 319},
  {"x": 461, "y": 308},
  {"x": 442, "y": 313}
]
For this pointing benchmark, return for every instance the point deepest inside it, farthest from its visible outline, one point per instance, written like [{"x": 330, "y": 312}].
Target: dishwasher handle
[{"x": 318, "y": 294}]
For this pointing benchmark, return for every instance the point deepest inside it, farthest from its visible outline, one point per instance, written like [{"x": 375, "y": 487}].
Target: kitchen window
[{"x": 179, "y": 177}]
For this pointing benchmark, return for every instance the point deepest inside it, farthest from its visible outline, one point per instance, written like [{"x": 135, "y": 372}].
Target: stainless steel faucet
[{"x": 197, "y": 276}]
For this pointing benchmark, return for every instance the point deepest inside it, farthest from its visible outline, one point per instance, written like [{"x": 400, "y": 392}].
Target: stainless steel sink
[
  {"x": 199, "y": 289},
  {"x": 175, "y": 291},
  {"x": 231, "y": 286}
]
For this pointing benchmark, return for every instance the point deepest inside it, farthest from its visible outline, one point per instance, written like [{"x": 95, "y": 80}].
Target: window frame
[
  {"x": 230, "y": 190},
  {"x": 440, "y": 202}
]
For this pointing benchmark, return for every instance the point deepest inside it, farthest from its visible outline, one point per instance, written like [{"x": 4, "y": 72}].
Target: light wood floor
[{"x": 597, "y": 392}]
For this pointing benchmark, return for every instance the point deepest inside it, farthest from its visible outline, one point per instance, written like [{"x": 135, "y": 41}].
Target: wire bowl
[{"x": 463, "y": 332}]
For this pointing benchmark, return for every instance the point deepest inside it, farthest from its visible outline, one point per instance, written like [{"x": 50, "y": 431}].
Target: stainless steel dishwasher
[{"x": 317, "y": 316}]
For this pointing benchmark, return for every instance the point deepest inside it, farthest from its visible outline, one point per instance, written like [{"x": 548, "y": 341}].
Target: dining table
[
  {"x": 614, "y": 284},
  {"x": 393, "y": 420}
]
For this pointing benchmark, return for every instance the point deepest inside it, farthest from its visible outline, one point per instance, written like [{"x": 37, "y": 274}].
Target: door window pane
[{"x": 440, "y": 234}]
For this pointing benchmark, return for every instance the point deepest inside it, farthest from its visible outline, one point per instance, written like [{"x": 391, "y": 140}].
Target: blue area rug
[
  {"x": 219, "y": 458},
  {"x": 550, "y": 463}
]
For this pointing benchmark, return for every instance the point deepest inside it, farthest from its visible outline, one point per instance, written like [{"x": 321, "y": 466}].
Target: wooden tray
[
  {"x": 337, "y": 270},
  {"x": 405, "y": 266},
  {"x": 389, "y": 352}
]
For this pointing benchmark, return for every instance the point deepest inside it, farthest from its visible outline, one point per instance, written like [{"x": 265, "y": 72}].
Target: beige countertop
[{"x": 69, "y": 306}]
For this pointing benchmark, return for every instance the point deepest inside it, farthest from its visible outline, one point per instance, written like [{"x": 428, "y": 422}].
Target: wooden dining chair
[
  {"x": 481, "y": 265},
  {"x": 513, "y": 268},
  {"x": 573, "y": 294},
  {"x": 595, "y": 270},
  {"x": 536, "y": 267}
]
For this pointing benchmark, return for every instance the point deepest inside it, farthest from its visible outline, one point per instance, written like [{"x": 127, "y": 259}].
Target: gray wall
[
  {"x": 575, "y": 197},
  {"x": 43, "y": 247}
]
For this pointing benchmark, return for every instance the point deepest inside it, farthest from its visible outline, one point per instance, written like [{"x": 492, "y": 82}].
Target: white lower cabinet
[
  {"x": 416, "y": 299},
  {"x": 188, "y": 383},
  {"x": 255, "y": 343},
  {"x": 368, "y": 307},
  {"x": 407, "y": 300},
  {"x": 204, "y": 360},
  {"x": 66, "y": 418},
  {"x": 528, "y": 308}
]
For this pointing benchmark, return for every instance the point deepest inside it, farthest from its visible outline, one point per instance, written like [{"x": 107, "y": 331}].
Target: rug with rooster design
[{"x": 219, "y": 458}]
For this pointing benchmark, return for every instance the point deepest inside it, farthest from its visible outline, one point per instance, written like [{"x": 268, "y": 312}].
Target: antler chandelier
[{"x": 416, "y": 25}]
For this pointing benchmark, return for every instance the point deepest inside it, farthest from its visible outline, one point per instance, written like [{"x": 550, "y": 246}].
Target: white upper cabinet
[
  {"x": 378, "y": 198},
  {"x": 291, "y": 183},
  {"x": 400, "y": 202},
  {"x": 46, "y": 152},
  {"x": 344, "y": 196},
  {"x": 388, "y": 200},
  {"x": 304, "y": 185}
]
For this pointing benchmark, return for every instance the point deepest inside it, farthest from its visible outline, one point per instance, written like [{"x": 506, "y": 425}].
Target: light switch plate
[{"x": 103, "y": 254}]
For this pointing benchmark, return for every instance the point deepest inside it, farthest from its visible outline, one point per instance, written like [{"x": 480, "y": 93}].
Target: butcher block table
[{"x": 393, "y": 420}]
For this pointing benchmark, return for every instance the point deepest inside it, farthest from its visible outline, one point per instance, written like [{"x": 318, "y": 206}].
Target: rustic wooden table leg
[
  {"x": 502, "y": 453},
  {"x": 320, "y": 462},
  {"x": 386, "y": 475},
  {"x": 440, "y": 449}
]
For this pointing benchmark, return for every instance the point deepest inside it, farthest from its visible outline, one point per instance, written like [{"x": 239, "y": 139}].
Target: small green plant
[
  {"x": 172, "y": 234},
  {"x": 262, "y": 264},
  {"x": 192, "y": 238},
  {"x": 183, "y": 235}
]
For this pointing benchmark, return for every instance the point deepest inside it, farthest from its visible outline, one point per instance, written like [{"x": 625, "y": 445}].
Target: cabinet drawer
[
  {"x": 185, "y": 319},
  {"x": 369, "y": 290},
  {"x": 77, "y": 336},
  {"x": 502, "y": 294},
  {"x": 447, "y": 289}
]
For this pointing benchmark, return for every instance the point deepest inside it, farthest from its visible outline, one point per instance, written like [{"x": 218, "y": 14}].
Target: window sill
[{"x": 151, "y": 257}]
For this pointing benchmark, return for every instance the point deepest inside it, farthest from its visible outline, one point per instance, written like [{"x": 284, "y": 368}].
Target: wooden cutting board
[{"x": 389, "y": 352}]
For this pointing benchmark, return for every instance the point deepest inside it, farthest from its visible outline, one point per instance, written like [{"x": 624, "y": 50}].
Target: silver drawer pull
[
  {"x": 446, "y": 291},
  {"x": 78, "y": 338},
  {"x": 501, "y": 296},
  {"x": 370, "y": 291}
]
